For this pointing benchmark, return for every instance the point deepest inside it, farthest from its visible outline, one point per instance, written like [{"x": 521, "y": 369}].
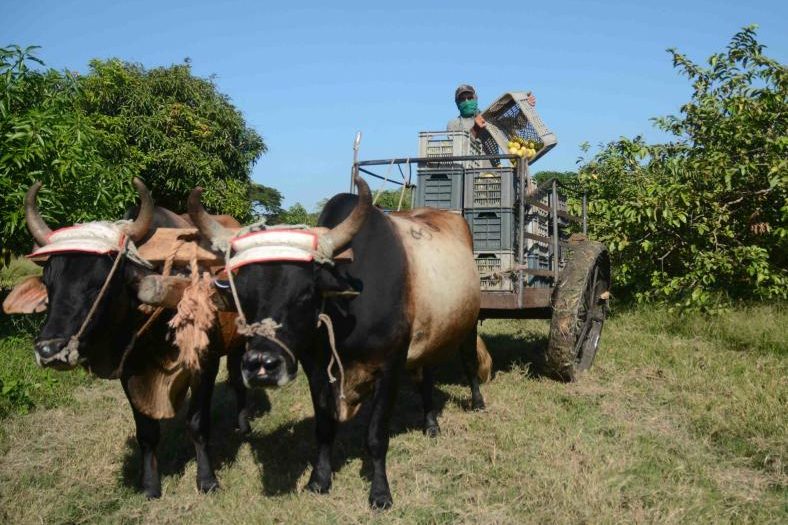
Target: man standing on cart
[{"x": 470, "y": 118}]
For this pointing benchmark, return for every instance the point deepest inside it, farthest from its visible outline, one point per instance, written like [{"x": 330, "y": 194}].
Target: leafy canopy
[
  {"x": 702, "y": 217},
  {"x": 86, "y": 136}
]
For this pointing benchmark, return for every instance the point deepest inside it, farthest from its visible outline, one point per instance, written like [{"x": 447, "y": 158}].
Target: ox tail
[{"x": 484, "y": 371}]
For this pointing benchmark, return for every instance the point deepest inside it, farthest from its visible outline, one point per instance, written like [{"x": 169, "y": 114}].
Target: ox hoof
[
  {"x": 152, "y": 493},
  {"x": 207, "y": 486},
  {"x": 317, "y": 485},
  {"x": 477, "y": 405},
  {"x": 432, "y": 431},
  {"x": 380, "y": 501},
  {"x": 243, "y": 426}
]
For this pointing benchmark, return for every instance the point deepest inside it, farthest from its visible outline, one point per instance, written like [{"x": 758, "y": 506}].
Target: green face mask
[{"x": 468, "y": 108}]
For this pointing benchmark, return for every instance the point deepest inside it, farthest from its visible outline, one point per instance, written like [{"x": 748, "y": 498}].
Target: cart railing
[{"x": 529, "y": 193}]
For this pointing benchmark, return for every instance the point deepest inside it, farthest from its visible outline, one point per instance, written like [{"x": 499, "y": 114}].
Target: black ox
[
  {"x": 414, "y": 299},
  {"x": 108, "y": 347}
]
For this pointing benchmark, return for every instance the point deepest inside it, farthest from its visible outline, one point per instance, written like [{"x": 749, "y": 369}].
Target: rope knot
[{"x": 266, "y": 328}]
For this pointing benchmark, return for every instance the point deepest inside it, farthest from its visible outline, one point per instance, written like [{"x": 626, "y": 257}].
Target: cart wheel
[{"x": 579, "y": 309}]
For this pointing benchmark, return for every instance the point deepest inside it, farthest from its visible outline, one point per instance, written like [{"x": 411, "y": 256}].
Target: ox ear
[{"x": 27, "y": 297}]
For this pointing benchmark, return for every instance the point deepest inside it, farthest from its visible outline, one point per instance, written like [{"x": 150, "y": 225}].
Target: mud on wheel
[{"x": 579, "y": 309}]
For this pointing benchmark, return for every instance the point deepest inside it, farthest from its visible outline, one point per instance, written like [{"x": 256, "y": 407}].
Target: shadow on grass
[
  {"x": 518, "y": 350},
  {"x": 175, "y": 448},
  {"x": 287, "y": 452}
]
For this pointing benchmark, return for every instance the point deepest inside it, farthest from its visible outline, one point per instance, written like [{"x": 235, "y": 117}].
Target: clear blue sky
[{"x": 307, "y": 75}]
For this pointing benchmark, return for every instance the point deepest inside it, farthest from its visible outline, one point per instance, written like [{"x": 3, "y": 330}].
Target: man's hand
[
  {"x": 479, "y": 122},
  {"x": 531, "y": 99}
]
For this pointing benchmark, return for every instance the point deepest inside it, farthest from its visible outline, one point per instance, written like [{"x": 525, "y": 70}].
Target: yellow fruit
[{"x": 513, "y": 151}]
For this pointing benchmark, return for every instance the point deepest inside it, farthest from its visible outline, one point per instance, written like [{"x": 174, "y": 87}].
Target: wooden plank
[
  {"x": 544, "y": 207},
  {"x": 532, "y": 298},
  {"x": 542, "y": 238},
  {"x": 164, "y": 240}
]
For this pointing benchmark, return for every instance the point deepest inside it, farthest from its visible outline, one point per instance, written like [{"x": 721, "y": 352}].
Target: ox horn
[
  {"x": 35, "y": 224},
  {"x": 208, "y": 226},
  {"x": 340, "y": 235},
  {"x": 139, "y": 228}
]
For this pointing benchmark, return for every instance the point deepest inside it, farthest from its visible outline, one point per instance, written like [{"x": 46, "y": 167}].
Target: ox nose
[
  {"x": 271, "y": 363},
  {"x": 48, "y": 349}
]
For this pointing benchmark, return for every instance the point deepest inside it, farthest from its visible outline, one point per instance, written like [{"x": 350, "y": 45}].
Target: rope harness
[{"x": 72, "y": 348}]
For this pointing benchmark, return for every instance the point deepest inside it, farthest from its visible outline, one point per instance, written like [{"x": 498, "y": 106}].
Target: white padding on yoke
[
  {"x": 269, "y": 254},
  {"x": 301, "y": 239},
  {"x": 91, "y": 237},
  {"x": 273, "y": 245}
]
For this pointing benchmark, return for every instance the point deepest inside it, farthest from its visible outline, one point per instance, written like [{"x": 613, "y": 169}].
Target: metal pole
[
  {"x": 554, "y": 210},
  {"x": 523, "y": 177},
  {"x": 354, "y": 170},
  {"x": 585, "y": 214}
]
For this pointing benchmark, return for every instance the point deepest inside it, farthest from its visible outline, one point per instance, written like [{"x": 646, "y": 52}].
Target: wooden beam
[
  {"x": 157, "y": 290},
  {"x": 544, "y": 207},
  {"x": 188, "y": 241}
]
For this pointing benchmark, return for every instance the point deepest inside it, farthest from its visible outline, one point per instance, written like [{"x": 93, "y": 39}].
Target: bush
[
  {"x": 702, "y": 218},
  {"x": 87, "y": 136}
]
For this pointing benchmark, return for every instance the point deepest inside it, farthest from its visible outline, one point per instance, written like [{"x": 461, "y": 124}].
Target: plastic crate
[
  {"x": 440, "y": 189},
  {"x": 511, "y": 115},
  {"x": 449, "y": 144},
  {"x": 538, "y": 260},
  {"x": 490, "y": 188},
  {"x": 492, "y": 229},
  {"x": 490, "y": 262}
]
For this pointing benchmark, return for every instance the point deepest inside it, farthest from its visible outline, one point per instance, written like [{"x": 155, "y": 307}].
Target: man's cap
[{"x": 464, "y": 88}]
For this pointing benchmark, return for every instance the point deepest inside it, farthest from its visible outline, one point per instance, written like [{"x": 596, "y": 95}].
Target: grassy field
[{"x": 680, "y": 420}]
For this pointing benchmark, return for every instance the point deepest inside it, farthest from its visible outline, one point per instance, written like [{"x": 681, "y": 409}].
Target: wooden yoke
[
  {"x": 179, "y": 245},
  {"x": 157, "y": 290}
]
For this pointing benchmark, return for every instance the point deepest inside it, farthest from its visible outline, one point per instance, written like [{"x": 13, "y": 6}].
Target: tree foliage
[
  {"x": 266, "y": 202},
  {"x": 703, "y": 216},
  {"x": 296, "y": 214},
  {"x": 567, "y": 178},
  {"x": 86, "y": 136},
  {"x": 390, "y": 199}
]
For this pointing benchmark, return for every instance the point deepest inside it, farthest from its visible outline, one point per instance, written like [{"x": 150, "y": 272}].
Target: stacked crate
[
  {"x": 490, "y": 195},
  {"x": 439, "y": 183},
  {"x": 491, "y": 203},
  {"x": 488, "y": 198}
]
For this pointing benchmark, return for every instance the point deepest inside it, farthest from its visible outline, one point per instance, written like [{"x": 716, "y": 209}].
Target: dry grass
[{"x": 679, "y": 421}]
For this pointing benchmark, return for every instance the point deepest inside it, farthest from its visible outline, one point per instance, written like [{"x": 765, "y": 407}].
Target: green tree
[
  {"x": 44, "y": 135},
  {"x": 297, "y": 214},
  {"x": 390, "y": 199},
  {"x": 703, "y": 216},
  {"x": 176, "y": 131},
  {"x": 567, "y": 178},
  {"x": 86, "y": 136},
  {"x": 266, "y": 202}
]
